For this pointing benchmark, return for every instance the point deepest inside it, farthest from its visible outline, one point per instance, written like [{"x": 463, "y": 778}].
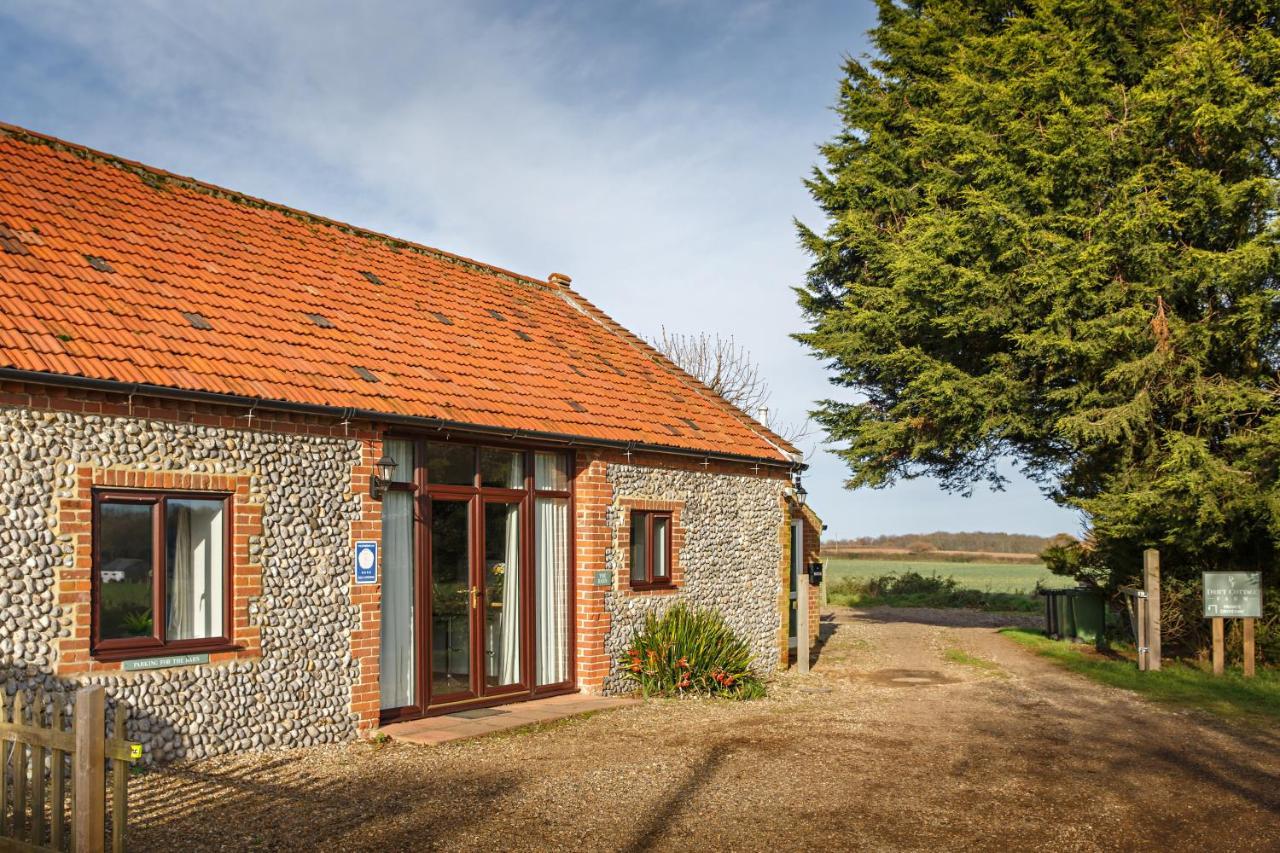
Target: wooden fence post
[
  {"x": 89, "y": 776},
  {"x": 1249, "y": 651},
  {"x": 1219, "y": 653},
  {"x": 1151, "y": 583}
]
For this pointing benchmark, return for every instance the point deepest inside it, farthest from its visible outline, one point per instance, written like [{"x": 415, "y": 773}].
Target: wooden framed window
[
  {"x": 650, "y": 549},
  {"x": 162, "y": 566}
]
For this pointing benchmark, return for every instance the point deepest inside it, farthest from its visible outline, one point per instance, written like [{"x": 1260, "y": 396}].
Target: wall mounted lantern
[
  {"x": 386, "y": 467},
  {"x": 801, "y": 494}
]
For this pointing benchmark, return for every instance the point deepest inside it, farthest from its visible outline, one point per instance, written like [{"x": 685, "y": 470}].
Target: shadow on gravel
[
  {"x": 278, "y": 805},
  {"x": 1156, "y": 763}
]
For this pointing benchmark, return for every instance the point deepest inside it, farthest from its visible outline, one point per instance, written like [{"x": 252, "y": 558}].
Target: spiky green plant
[{"x": 690, "y": 652}]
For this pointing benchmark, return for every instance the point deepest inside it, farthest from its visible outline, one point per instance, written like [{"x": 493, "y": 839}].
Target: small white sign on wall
[{"x": 366, "y": 558}]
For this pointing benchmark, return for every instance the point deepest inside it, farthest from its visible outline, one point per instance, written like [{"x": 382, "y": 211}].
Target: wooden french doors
[
  {"x": 477, "y": 602},
  {"x": 485, "y": 562}
]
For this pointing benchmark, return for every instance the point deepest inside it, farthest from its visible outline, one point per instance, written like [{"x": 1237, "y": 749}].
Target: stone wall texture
[
  {"x": 297, "y": 691},
  {"x": 729, "y": 559}
]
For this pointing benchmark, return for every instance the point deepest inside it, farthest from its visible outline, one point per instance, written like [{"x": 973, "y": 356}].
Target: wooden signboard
[{"x": 1232, "y": 595}]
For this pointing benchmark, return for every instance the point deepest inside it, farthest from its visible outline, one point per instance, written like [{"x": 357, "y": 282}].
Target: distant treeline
[{"x": 993, "y": 543}]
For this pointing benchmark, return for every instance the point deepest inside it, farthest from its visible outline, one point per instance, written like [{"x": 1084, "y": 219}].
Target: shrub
[{"x": 690, "y": 652}]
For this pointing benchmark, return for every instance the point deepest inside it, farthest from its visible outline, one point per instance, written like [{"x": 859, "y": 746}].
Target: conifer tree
[{"x": 1051, "y": 237}]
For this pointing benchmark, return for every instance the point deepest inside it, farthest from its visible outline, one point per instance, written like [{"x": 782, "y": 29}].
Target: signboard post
[
  {"x": 1232, "y": 595},
  {"x": 1151, "y": 583}
]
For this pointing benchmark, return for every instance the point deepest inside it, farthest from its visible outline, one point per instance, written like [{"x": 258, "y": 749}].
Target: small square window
[
  {"x": 650, "y": 549},
  {"x": 451, "y": 464},
  {"x": 550, "y": 472},
  {"x": 502, "y": 469},
  {"x": 161, "y": 578}
]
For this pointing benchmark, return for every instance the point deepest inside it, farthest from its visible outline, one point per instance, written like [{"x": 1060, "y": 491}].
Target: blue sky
[{"x": 653, "y": 151}]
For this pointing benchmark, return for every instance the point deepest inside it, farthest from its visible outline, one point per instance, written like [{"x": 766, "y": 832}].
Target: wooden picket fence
[{"x": 39, "y": 756}]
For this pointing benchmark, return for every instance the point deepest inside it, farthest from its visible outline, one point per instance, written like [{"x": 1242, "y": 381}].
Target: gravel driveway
[{"x": 886, "y": 745}]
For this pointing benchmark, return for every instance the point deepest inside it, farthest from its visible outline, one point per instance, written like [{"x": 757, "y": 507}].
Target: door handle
[{"x": 475, "y": 597}]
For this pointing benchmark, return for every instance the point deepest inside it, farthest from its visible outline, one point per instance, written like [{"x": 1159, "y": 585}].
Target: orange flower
[{"x": 683, "y": 663}]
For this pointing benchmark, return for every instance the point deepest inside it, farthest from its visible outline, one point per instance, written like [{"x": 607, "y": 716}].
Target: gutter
[{"x": 340, "y": 413}]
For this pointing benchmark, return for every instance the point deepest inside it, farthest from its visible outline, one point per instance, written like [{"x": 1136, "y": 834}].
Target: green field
[{"x": 987, "y": 577}]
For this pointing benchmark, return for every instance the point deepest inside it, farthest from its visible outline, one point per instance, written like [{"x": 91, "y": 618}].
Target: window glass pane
[
  {"x": 196, "y": 566},
  {"x": 502, "y": 593},
  {"x": 639, "y": 547},
  {"x": 551, "y": 472},
  {"x": 551, "y": 588},
  {"x": 400, "y": 450},
  {"x": 125, "y": 561},
  {"x": 661, "y": 525},
  {"x": 503, "y": 469},
  {"x": 396, "y": 661},
  {"x": 451, "y": 464}
]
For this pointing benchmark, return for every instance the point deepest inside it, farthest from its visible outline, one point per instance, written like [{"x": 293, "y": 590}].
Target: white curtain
[
  {"x": 551, "y": 569},
  {"x": 396, "y": 660},
  {"x": 549, "y": 472},
  {"x": 181, "y": 594},
  {"x": 509, "y": 622},
  {"x": 194, "y": 606}
]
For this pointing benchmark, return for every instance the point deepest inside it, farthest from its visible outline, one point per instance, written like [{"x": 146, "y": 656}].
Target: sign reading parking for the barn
[
  {"x": 1232, "y": 595},
  {"x": 366, "y": 562}
]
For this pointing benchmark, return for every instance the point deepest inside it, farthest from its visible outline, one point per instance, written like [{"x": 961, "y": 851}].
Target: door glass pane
[
  {"x": 502, "y": 593},
  {"x": 400, "y": 450},
  {"x": 550, "y": 472},
  {"x": 639, "y": 547},
  {"x": 450, "y": 598},
  {"x": 551, "y": 588},
  {"x": 661, "y": 530},
  {"x": 503, "y": 469},
  {"x": 451, "y": 464},
  {"x": 397, "y": 658},
  {"x": 124, "y": 571},
  {"x": 195, "y": 546}
]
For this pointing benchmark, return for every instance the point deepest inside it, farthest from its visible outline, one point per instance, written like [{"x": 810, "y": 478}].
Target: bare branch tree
[{"x": 727, "y": 368}]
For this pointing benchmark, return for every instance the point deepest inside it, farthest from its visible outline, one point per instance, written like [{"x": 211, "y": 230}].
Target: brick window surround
[
  {"x": 676, "y": 509},
  {"x": 75, "y": 582}
]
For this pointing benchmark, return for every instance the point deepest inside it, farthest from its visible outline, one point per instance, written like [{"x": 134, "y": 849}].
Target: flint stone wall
[
  {"x": 297, "y": 693},
  {"x": 731, "y": 555}
]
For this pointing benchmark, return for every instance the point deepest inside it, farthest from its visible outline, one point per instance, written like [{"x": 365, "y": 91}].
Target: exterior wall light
[
  {"x": 801, "y": 494},
  {"x": 386, "y": 467}
]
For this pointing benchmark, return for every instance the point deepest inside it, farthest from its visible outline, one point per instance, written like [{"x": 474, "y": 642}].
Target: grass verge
[
  {"x": 963, "y": 658},
  {"x": 1233, "y": 696}
]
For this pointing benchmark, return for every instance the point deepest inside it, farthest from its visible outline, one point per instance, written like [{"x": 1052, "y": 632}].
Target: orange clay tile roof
[{"x": 110, "y": 270}]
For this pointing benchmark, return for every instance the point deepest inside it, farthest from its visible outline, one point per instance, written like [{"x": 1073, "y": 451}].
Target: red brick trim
[
  {"x": 622, "y": 544},
  {"x": 366, "y": 637},
  {"x": 74, "y": 582}
]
